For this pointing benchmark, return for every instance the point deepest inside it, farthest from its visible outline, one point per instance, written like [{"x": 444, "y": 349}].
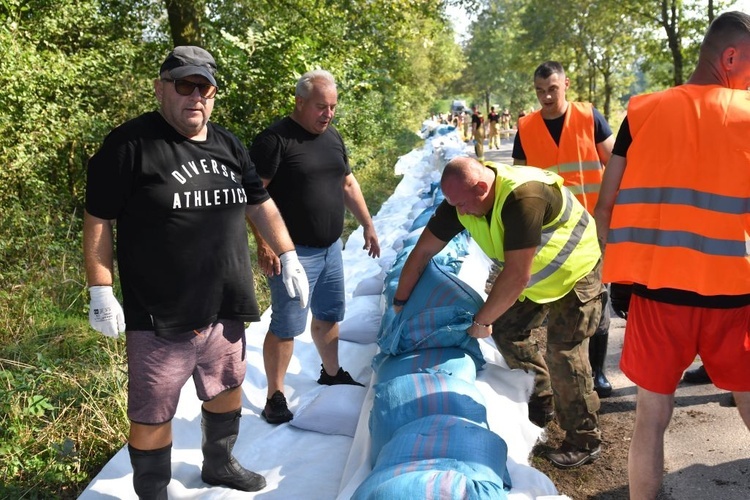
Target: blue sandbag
[
  {"x": 448, "y": 436},
  {"x": 422, "y": 218},
  {"x": 409, "y": 397},
  {"x": 439, "y": 311},
  {"x": 438, "y": 479},
  {"x": 451, "y": 360}
]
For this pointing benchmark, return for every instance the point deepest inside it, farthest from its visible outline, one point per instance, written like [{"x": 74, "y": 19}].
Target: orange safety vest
[
  {"x": 575, "y": 159},
  {"x": 682, "y": 215}
]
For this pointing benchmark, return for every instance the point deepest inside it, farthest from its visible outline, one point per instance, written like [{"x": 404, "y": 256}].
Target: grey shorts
[{"x": 158, "y": 367}]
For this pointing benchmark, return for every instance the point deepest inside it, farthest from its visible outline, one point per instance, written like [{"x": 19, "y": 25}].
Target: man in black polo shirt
[{"x": 303, "y": 164}]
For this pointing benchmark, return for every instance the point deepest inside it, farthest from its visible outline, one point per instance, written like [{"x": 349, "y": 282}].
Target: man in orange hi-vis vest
[
  {"x": 673, "y": 214},
  {"x": 575, "y": 141}
]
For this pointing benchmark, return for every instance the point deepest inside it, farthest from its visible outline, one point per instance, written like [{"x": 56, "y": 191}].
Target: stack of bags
[{"x": 428, "y": 425}]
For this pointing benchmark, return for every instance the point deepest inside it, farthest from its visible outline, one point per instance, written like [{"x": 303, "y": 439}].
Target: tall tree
[
  {"x": 497, "y": 72},
  {"x": 682, "y": 23},
  {"x": 186, "y": 18}
]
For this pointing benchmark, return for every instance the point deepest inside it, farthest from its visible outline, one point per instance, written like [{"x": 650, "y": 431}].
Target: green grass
[{"x": 63, "y": 386}]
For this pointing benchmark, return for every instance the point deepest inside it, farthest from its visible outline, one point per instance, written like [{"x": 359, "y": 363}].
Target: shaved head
[
  {"x": 468, "y": 185},
  {"x": 729, "y": 29},
  {"x": 724, "y": 57},
  {"x": 462, "y": 171}
]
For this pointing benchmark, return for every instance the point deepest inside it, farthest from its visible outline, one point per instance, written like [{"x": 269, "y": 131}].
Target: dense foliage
[{"x": 71, "y": 70}]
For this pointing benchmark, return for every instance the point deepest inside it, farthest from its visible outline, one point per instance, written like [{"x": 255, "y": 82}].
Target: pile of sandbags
[{"x": 428, "y": 424}]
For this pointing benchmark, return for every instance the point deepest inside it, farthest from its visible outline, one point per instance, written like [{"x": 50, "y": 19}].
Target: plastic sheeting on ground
[{"x": 309, "y": 464}]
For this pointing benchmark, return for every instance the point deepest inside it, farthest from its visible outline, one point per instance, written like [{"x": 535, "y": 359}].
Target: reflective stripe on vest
[
  {"x": 670, "y": 238},
  {"x": 575, "y": 237},
  {"x": 575, "y": 159},
  {"x": 682, "y": 215},
  {"x": 568, "y": 250}
]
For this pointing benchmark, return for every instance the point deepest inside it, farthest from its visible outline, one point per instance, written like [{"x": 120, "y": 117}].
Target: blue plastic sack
[
  {"x": 422, "y": 218},
  {"x": 439, "y": 311},
  {"x": 451, "y": 360},
  {"x": 440, "y": 478},
  {"x": 409, "y": 397},
  {"x": 448, "y": 436}
]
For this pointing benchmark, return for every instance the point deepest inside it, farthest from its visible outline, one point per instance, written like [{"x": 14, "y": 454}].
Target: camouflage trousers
[{"x": 563, "y": 372}]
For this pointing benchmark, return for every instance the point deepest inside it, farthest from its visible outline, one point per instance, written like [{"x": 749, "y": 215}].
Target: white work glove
[
  {"x": 294, "y": 277},
  {"x": 105, "y": 313}
]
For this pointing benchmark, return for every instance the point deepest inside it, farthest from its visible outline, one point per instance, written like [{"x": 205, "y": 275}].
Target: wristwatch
[{"x": 399, "y": 303}]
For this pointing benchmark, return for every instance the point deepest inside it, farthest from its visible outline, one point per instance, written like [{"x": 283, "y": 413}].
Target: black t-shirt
[
  {"x": 525, "y": 211},
  {"x": 623, "y": 140},
  {"x": 602, "y": 131},
  {"x": 182, "y": 248},
  {"x": 306, "y": 173},
  {"x": 493, "y": 117}
]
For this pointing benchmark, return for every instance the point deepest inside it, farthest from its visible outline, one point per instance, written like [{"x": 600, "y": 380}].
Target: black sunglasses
[{"x": 186, "y": 87}]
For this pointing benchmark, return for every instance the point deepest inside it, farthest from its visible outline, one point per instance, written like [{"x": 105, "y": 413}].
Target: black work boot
[
  {"x": 152, "y": 471},
  {"x": 597, "y": 356},
  {"x": 696, "y": 376},
  {"x": 569, "y": 456},
  {"x": 541, "y": 410},
  {"x": 220, "y": 468}
]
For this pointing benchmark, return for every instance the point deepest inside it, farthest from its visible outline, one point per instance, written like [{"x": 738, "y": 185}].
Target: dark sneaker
[
  {"x": 569, "y": 456},
  {"x": 696, "y": 376},
  {"x": 276, "y": 410},
  {"x": 341, "y": 378},
  {"x": 541, "y": 411}
]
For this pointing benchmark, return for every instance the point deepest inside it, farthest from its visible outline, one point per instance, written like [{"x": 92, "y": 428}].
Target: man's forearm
[
  {"x": 267, "y": 223},
  {"x": 98, "y": 250},
  {"x": 505, "y": 292},
  {"x": 509, "y": 284},
  {"x": 256, "y": 234},
  {"x": 354, "y": 201},
  {"x": 607, "y": 196}
]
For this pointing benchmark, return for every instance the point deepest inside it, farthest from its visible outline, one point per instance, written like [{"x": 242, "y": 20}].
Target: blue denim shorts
[{"x": 325, "y": 274}]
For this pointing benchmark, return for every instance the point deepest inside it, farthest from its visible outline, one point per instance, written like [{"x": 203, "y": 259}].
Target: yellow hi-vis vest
[{"x": 569, "y": 249}]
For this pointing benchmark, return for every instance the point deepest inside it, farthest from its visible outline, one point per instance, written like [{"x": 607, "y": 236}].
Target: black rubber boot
[
  {"x": 696, "y": 376},
  {"x": 152, "y": 471},
  {"x": 597, "y": 356},
  {"x": 220, "y": 468}
]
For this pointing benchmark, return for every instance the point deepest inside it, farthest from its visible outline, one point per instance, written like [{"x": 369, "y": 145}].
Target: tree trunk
[
  {"x": 608, "y": 90},
  {"x": 185, "y": 17},
  {"x": 671, "y": 26}
]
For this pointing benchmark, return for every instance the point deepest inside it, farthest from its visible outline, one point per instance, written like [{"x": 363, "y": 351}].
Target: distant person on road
[
  {"x": 505, "y": 123},
  {"x": 179, "y": 188},
  {"x": 466, "y": 115},
  {"x": 673, "y": 214},
  {"x": 573, "y": 140},
  {"x": 477, "y": 131},
  {"x": 304, "y": 165},
  {"x": 494, "y": 119}
]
